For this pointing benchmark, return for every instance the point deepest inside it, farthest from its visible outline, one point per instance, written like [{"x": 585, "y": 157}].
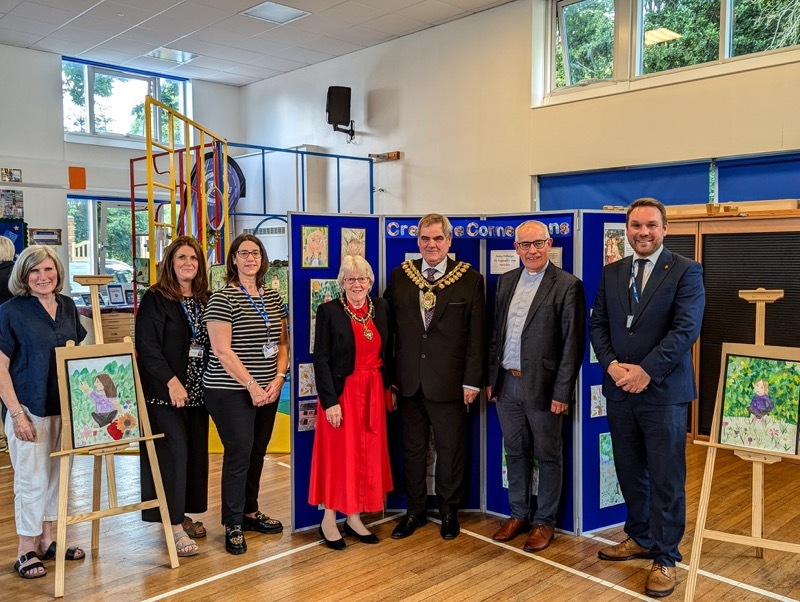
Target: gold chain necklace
[
  {"x": 429, "y": 297},
  {"x": 368, "y": 334}
]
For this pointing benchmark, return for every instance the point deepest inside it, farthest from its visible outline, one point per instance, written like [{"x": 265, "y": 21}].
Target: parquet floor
[{"x": 132, "y": 563}]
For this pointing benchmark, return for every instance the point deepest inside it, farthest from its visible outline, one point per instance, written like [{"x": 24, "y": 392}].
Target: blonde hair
[
  {"x": 29, "y": 259},
  {"x": 357, "y": 264},
  {"x": 7, "y": 250}
]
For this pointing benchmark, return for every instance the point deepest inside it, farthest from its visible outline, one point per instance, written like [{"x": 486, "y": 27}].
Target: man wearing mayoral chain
[{"x": 438, "y": 309}]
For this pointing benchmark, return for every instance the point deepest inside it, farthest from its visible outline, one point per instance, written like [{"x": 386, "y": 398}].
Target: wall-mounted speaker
[{"x": 338, "y": 105}]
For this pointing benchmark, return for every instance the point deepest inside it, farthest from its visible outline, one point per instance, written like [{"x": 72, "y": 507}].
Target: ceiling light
[
  {"x": 657, "y": 36},
  {"x": 175, "y": 56},
  {"x": 275, "y": 13}
]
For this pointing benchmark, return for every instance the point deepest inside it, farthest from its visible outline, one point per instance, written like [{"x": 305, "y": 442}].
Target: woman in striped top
[{"x": 247, "y": 369}]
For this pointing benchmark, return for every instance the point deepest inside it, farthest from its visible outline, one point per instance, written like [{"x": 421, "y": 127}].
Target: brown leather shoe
[
  {"x": 511, "y": 528},
  {"x": 627, "y": 550},
  {"x": 540, "y": 537},
  {"x": 660, "y": 581}
]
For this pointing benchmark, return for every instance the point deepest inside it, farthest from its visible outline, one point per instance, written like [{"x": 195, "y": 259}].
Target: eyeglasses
[
  {"x": 245, "y": 254},
  {"x": 360, "y": 280},
  {"x": 526, "y": 244}
]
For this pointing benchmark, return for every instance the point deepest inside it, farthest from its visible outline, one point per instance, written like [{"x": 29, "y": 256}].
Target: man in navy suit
[
  {"x": 535, "y": 354},
  {"x": 646, "y": 318}
]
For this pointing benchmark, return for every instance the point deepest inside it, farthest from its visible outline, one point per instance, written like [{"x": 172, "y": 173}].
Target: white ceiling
[{"x": 234, "y": 49}]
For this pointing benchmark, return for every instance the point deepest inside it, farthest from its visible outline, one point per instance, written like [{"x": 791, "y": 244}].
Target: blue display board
[
  {"x": 561, "y": 226},
  {"x": 400, "y": 241},
  {"x": 310, "y": 268},
  {"x": 601, "y": 504}
]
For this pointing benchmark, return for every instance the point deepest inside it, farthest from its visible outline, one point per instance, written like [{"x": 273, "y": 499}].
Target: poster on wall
[
  {"x": 610, "y": 494},
  {"x": 9, "y": 174},
  {"x": 598, "y": 402},
  {"x": 315, "y": 246},
  {"x": 615, "y": 243},
  {"x": 503, "y": 261},
  {"x": 306, "y": 385},
  {"x": 11, "y": 205},
  {"x": 354, "y": 242},
  {"x": 322, "y": 291},
  {"x": 307, "y": 418},
  {"x": 277, "y": 278}
]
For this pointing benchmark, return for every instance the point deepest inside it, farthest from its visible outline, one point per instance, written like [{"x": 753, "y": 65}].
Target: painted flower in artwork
[{"x": 126, "y": 423}]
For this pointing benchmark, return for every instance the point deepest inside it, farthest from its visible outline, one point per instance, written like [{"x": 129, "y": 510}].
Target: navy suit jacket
[
  {"x": 553, "y": 338},
  {"x": 665, "y": 325}
]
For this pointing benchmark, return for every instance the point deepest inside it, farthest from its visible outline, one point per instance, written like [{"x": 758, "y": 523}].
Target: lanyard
[
  {"x": 193, "y": 318},
  {"x": 634, "y": 288},
  {"x": 262, "y": 311}
]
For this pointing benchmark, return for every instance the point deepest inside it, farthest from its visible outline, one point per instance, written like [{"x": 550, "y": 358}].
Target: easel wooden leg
[
  {"x": 111, "y": 478},
  {"x": 758, "y": 505},
  {"x": 97, "y": 483},
  {"x": 702, "y": 514},
  {"x": 61, "y": 525},
  {"x": 162, "y": 503}
]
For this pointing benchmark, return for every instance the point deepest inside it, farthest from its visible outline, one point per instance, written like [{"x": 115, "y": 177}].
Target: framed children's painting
[
  {"x": 758, "y": 400},
  {"x": 99, "y": 394}
]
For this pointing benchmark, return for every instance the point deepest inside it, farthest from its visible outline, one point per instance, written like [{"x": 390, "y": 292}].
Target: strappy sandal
[
  {"x": 182, "y": 546},
  {"x": 25, "y": 564},
  {"x": 72, "y": 553},
  {"x": 194, "y": 529}
]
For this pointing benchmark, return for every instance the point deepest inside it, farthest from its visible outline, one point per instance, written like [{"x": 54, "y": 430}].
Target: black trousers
[
  {"x": 245, "y": 431},
  {"x": 448, "y": 419},
  {"x": 182, "y": 458}
]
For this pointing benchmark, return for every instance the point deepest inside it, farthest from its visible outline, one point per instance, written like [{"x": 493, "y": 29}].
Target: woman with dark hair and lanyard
[
  {"x": 246, "y": 324},
  {"x": 171, "y": 345}
]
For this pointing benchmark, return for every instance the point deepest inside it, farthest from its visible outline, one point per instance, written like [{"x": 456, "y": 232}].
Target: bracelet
[
  {"x": 250, "y": 382},
  {"x": 19, "y": 412},
  {"x": 281, "y": 374}
]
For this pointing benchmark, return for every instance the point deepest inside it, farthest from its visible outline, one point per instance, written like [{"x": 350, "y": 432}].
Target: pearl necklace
[{"x": 368, "y": 334}]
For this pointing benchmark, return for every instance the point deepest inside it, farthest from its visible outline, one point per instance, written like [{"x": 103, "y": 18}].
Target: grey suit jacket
[{"x": 553, "y": 338}]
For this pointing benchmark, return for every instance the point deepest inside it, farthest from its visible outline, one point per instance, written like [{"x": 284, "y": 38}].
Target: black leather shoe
[
  {"x": 371, "y": 538},
  {"x": 262, "y": 523},
  {"x": 234, "y": 540},
  {"x": 407, "y": 525},
  {"x": 450, "y": 527},
  {"x": 333, "y": 544}
]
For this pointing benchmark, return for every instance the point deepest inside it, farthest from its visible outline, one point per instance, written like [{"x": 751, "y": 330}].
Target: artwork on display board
[
  {"x": 306, "y": 385},
  {"x": 141, "y": 271},
  {"x": 598, "y": 402},
  {"x": 307, "y": 416},
  {"x": 9, "y": 174},
  {"x": 610, "y": 494},
  {"x": 315, "y": 246},
  {"x": 116, "y": 294},
  {"x": 101, "y": 397},
  {"x": 322, "y": 291},
  {"x": 354, "y": 242},
  {"x": 42, "y": 236},
  {"x": 615, "y": 243},
  {"x": 129, "y": 297},
  {"x": 758, "y": 398},
  {"x": 216, "y": 276},
  {"x": 277, "y": 278},
  {"x": 556, "y": 256},
  {"x": 11, "y": 204}
]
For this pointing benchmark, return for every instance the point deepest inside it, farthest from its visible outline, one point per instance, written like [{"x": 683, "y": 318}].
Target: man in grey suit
[{"x": 535, "y": 353}]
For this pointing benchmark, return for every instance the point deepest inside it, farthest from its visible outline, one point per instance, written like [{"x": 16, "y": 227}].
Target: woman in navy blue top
[{"x": 32, "y": 324}]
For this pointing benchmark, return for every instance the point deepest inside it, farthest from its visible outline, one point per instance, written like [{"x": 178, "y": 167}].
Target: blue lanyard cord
[
  {"x": 634, "y": 288},
  {"x": 262, "y": 311},
  {"x": 193, "y": 318}
]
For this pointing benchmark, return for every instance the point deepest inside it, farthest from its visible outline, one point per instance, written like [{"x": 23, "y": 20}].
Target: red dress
[{"x": 350, "y": 470}]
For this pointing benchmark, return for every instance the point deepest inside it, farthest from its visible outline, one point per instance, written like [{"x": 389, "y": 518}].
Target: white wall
[{"x": 455, "y": 100}]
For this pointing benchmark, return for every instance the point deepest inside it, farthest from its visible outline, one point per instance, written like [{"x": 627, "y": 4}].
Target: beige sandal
[{"x": 182, "y": 542}]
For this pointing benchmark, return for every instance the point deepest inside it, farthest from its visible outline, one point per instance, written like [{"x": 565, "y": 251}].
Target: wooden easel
[
  {"x": 759, "y": 460},
  {"x": 105, "y": 450}
]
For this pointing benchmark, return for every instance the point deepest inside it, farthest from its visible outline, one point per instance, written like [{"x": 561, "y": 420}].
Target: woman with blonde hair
[{"x": 32, "y": 324}]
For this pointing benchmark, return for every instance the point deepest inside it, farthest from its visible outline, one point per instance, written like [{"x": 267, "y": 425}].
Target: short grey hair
[
  {"x": 7, "y": 250},
  {"x": 29, "y": 259},
  {"x": 357, "y": 264},
  {"x": 528, "y": 224},
  {"x": 432, "y": 219}
]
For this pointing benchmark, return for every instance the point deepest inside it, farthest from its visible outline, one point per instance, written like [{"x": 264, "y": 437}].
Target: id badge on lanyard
[{"x": 270, "y": 350}]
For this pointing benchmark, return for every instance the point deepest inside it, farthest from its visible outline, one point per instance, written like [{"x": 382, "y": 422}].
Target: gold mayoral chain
[
  {"x": 429, "y": 297},
  {"x": 368, "y": 334}
]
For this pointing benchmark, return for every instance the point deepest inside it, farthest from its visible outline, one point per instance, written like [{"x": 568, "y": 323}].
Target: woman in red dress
[{"x": 350, "y": 471}]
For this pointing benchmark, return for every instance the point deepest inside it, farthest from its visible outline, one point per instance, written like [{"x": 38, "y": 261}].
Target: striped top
[{"x": 248, "y": 336}]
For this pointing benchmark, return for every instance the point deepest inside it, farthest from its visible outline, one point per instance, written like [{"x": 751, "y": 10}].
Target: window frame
[
  {"x": 155, "y": 82},
  {"x": 628, "y": 53}
]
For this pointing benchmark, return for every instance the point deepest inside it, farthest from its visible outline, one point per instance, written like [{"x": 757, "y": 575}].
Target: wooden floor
[{"x": 133, "y": 565}]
